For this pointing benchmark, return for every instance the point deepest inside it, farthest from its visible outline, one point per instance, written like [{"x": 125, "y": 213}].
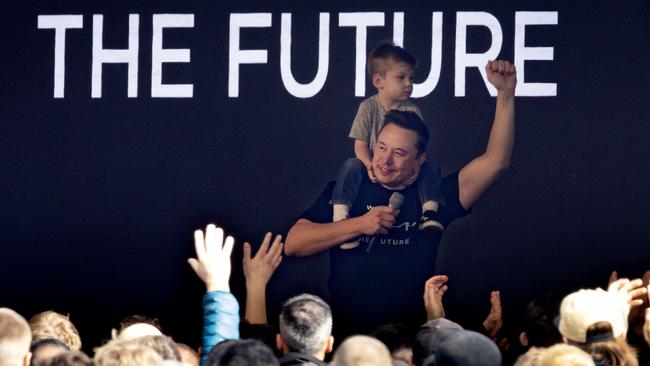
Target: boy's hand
[{"x": 502, "y": 75}]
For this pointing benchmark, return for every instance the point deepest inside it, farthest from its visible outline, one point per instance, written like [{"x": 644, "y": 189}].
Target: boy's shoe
[
  {"x": 350, "y": 245},
  {"x": 429, "y": 220}
]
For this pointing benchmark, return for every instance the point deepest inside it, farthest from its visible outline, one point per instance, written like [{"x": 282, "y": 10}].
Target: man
[
  {"x": 15, "y": 337},
  {"x": 305, "y": 331},
  {"x": 380, "y": 281}
]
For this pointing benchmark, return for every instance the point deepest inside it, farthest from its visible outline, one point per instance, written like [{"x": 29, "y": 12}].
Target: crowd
[{"x": 587, "y": 327}]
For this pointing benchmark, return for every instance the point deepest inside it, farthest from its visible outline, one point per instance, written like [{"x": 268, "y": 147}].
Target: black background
[{"x": 100, "y": 196}]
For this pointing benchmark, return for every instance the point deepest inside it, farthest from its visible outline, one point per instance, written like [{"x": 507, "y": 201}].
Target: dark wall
[{"x": 101, "y": 195}]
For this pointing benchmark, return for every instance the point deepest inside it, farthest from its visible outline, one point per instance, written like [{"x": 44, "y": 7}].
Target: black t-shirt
[{"x": 382, "y": 283}]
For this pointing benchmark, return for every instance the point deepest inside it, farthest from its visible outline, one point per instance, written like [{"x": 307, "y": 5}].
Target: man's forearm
[
  {"x": 308, "y": 238},
  {"x": 477, "y": 176},
  {"x": 502, "y": 134}
]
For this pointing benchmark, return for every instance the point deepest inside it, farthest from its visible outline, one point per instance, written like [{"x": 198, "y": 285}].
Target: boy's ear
[{"x": 377, "y": 80}]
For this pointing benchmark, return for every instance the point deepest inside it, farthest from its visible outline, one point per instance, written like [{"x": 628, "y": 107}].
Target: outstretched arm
[
  {"x": 258, "y": 270},
  {"x": 477, "y": 176},
  {"x": 212, "y": 266},
  {"x": 307, "y": 238}
]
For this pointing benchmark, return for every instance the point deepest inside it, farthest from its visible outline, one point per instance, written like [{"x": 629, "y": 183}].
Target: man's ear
[
  {"x": 330, "y": 344},
  {"x": 27, "y": 360},
  {"x": 279, "y": 342},
  {"x": 377, "y": 80},
  {"x": 422, "y": 158},
  {"x": 523, "y": 339}
]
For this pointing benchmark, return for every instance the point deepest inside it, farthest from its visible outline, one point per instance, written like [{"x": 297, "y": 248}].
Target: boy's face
[{"x": 396, "y": 84}]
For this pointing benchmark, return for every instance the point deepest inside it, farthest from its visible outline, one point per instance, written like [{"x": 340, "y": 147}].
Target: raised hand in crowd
[
  {"x": 629, "y": 291},
  {"x": 212, "y": 262},
  {"x": 646, "y": 326},
  {"x": 258, "y": 270},
  {"x": 494, "y": 321},
  {"x": 434, "y": 290}
]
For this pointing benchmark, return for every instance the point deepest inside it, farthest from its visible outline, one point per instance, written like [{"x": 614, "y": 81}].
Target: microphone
[{"x": 395, "y": 201}]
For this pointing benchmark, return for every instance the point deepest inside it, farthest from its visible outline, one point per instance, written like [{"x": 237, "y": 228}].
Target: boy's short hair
[
  {"x": 379, "y": 57},
  {"x": 410, "y": 121}
]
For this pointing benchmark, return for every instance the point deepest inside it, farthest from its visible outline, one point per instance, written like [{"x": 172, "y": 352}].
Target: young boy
[{"x": 391, "y": 69}]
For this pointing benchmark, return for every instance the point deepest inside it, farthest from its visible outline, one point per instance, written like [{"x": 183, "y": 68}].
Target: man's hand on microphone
[{"x": 378, "y": 220}]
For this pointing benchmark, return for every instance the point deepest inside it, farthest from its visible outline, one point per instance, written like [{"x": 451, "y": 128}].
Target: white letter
[
  {"x": 398, "y": 29},
  {"x": 160, "y": 56},
  {"x": 115, "y": 56},
  {"x": 295, "y": 88},
  {"x": 237, "y": 56},
  {"x": 464, "y": 59},
  {"x": 59, "y": 23},
  {"x": 361, "y": 21},
  {"x": 427, "y": 86},
  {"x": 523, "y": 53}
]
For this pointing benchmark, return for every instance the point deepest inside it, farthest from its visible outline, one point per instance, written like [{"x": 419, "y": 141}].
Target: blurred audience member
[
  {"x": 15, "y": 338},
  {"x": 596, "y": 321},
  {"x": 247, "y": 352},
  {"x": 44, "y": 349},
  {"x": 125, "y": 353},
  {"x": 188, "y": 354},
  {"x": 305, "y": 331},
  {"x": 362, "y": 350},
  {"x": 398, "y": 340},
  {"x": 68, "y": 359},
  {"x": 50, "y": 324}
]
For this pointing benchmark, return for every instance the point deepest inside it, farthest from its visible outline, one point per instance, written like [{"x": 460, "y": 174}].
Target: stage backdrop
[{"x": 127, "y": 125}]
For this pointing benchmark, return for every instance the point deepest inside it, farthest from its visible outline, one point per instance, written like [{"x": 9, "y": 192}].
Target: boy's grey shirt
[{"x": 370, "y": 119}]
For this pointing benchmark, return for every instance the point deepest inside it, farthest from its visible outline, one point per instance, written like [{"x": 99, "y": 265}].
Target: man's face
[
  {"x": 395, "y": 157},
  {"x": 396, "y": 83}
]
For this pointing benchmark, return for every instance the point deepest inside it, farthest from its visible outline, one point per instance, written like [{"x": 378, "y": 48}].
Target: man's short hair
[
  {"x": 305, "y": 323},
  {"x": 410, "y": 121},
  {"x": 125, "y": 353},
  {"x": 50, "y": 324},
  {"x": 564, "y": 354},
  {"x": 539, "y": 321},
  {"x": 137, "y": 319},
  {"x": 163, "y": 345},
  {"x": 43, "y": 349},
  {"x": 379, "y": 57},
  {"x": 15, "y": 338},
  {"x": 248, "y": 352},
  {"x": 360, "y": 350},
  {"x": 394, "y": 336}
]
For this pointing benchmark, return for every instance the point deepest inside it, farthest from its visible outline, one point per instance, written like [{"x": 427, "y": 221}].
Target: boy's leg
[
  {"x": 348, "y": 182},
  {"x": 430, "y": 193}
]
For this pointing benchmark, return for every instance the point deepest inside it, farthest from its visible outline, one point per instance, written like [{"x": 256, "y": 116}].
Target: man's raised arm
[
  {"x": 307, "y": 238},
  {"x": 477, "y": 176}
]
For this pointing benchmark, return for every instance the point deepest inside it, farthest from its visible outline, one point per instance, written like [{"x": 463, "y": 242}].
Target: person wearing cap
[{"x": 595, "y": 320}]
